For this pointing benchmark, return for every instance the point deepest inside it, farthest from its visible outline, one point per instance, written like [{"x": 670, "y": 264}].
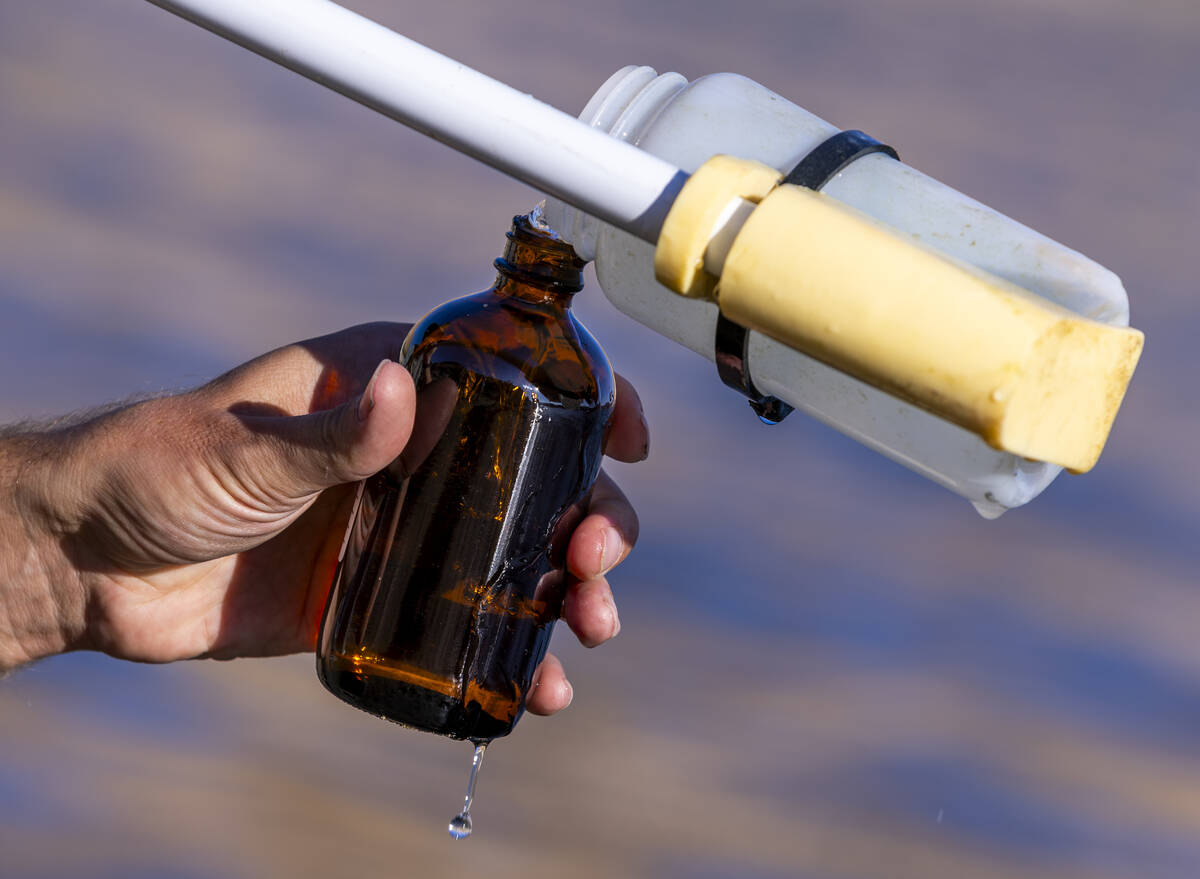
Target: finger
[
  {"x": 308, "y": 376},
  {"x": 293, "y": 458},
  {"x": 607, "y": 533},
  {"x": 590, "y": 611},
  {"x": 628, "y": 435},
  {"x": 550, "y": 691}
]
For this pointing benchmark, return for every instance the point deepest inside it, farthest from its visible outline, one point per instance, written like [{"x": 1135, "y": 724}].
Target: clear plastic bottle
[{"x": 454, "y": 564}]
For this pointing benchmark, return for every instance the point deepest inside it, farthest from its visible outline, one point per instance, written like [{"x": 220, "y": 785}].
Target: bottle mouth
[
  {"x": 536, "y": 218},
  {"x": 537, "y": 256},
  {"x": 530, "y": 229}
]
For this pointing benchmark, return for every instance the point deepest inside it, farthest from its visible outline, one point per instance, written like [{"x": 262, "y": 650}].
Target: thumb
[{"x": 308, "y": 453}]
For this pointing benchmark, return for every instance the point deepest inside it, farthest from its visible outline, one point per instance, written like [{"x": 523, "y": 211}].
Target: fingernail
[
  {"x": 616, "y": 618},
  {"x": 367, "y": 401},
  {"x": 646, "y": 433},
  {"x": 610, "y": 550},
  {"x": 570, "y": 693}
]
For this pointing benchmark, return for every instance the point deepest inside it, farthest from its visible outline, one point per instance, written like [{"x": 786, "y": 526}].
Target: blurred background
[{"x": 829, "y": 668}]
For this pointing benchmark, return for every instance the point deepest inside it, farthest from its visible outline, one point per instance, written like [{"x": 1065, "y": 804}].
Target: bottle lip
[{"x": 532, "y": 228}]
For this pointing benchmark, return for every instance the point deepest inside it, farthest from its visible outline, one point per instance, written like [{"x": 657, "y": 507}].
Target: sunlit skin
[{"x": 208, "y": 523}]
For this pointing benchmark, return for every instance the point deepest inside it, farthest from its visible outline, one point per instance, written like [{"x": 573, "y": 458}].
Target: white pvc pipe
[{"x": 464, "y": 109}]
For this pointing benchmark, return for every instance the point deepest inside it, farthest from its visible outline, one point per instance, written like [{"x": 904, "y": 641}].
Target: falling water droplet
[{"x": 460, "y": 824}]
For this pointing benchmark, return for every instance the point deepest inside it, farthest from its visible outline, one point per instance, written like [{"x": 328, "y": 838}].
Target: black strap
[
  {"x": 832, "y": 155},
  {"x": 813, "y": 171}
]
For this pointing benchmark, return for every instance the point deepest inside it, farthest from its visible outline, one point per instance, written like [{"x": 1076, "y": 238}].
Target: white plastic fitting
[{"x": 687, "y": 123}]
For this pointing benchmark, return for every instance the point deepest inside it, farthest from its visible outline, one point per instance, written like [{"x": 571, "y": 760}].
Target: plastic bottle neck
[
  {"x": 624, "y": 107},
  {"x": 538, "y": 266}
]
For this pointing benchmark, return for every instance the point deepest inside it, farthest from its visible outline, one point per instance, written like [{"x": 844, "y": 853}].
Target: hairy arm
[{"x": 43, "y": 607}]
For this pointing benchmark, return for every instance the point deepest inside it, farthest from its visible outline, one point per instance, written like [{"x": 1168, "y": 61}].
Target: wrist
[{"x": 43, "y": 605}]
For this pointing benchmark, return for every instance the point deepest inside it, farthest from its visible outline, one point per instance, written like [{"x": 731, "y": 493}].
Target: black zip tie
[{"x": 732, "y": 340}]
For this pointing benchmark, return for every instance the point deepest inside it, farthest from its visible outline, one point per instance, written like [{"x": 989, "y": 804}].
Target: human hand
[{"x": 208, "y": 523}]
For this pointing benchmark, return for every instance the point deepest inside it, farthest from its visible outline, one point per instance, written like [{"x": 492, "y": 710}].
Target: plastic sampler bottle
[
  {"x": 453, "y": 567},
  {"x": 688, "y": 122}
]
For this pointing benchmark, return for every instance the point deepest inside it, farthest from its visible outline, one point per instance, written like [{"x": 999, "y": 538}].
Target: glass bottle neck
[{"x": 538, "y": 266}]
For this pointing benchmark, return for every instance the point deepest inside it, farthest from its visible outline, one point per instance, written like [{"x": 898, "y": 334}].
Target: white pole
[{"x": 472, "y": 113}]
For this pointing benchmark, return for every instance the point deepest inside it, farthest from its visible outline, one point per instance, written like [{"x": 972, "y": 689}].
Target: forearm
[{"x": 43, "y": 608}]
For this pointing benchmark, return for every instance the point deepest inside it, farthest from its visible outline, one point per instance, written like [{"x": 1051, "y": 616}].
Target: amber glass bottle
[{"x": 453, "y": 569}]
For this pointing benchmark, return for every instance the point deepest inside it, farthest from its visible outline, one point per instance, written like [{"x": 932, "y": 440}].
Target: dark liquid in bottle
[{"x": 453, "y": 569}]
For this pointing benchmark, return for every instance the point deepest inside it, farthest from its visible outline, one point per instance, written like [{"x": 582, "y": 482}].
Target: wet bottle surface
[{"x": 453, "y": 569}]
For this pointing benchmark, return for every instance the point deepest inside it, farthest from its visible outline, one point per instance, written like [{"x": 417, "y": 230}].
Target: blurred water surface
[{"x": 828, "y": 668}]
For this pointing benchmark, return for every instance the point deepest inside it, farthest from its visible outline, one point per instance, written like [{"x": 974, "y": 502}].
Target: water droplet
[
  {"x": 460, "y": 824},
  {"x": 770, "y": 410}
]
